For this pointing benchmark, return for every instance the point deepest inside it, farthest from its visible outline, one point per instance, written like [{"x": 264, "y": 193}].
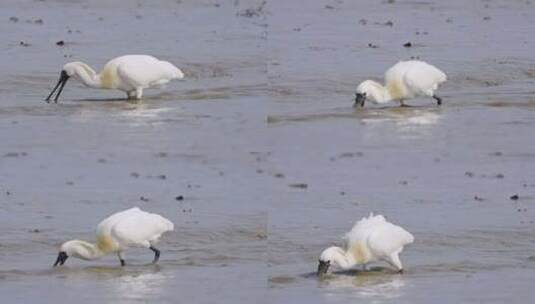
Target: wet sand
[{"x": 272, "y": 161}]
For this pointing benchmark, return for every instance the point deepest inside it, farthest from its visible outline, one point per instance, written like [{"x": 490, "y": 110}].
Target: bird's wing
[
  {"x": 146, "y": 71},
  {"x": 387, "y": 239},
  {"x": 362, "y": 229},
  {"x": 423, "y": 78},
  {"x": 395, "y": 73},
  {"x": 107, "y": 224},
  {"x": 140, "y": 229}
]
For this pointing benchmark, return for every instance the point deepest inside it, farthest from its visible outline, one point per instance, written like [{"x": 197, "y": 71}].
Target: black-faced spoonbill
[
  {"x": 129, "y": 228},
  {"x": 405, "y": 80},
  {"x": 129, "y": 73},
  {"x": 371, "y": 239}
]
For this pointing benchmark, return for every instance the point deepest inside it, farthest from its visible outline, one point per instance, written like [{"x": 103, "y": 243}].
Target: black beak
[
  {"x": 359, "y": 99},
  {"x": 63, "y": 77},
  {"x": 62, "y": 257},
  {"x": 323, "y": 266}
]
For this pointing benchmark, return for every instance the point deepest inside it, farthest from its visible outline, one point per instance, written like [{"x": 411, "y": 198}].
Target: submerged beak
[
  {"x": 323, "y": 266},
  {"x": 62, "y": 257},
  {"x": 359, "y": 99},
  {"x": 63, "y": 77}
]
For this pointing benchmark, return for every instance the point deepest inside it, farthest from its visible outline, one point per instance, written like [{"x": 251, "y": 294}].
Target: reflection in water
[
  {"x": 142, "y": 111},
  {"x": 140, "y": 285},
  {"x": 403, "y": 116},
  {"x": 372, "y": 284},
  {"x": 131, "y": 113}
]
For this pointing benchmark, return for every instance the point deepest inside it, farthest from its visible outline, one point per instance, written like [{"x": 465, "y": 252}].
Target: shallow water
[{"x": 273, "y": 162}]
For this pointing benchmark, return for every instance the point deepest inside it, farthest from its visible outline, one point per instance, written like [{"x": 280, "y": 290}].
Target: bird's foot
[
  {"x": 156, "y": 254},
  {"x": 438, "y": 99},
  {"x": 400, "y": 271},
  {"x": 122, "y": 263}
]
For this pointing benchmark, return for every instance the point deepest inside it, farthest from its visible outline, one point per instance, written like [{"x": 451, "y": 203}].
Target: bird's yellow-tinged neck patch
[
  {"x": 360, "y": 253},
  {"x": 107, "y": 77},
  {"x": 396, "y": 90},
  {"x": 106, "y": 244}
]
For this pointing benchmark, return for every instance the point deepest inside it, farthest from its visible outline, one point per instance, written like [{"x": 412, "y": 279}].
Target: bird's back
[
  {"x": 105, "y": 241},
  {"x": 140, "y": 229},
  {"x": 130, "y": 71},
  {"x": 388, "y": 238},
  {"x": 373, "y": 237},
  {"x": 357, "y": 238},
  {"x": 413, "y": 77}
]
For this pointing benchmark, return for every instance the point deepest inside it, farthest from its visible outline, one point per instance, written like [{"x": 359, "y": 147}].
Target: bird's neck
[
  {"x": 343, "y": 258},
  {"x": 88, "y": 251},
  {"x": 88, "y": 76},
  {"x": 378, "y": 92}
]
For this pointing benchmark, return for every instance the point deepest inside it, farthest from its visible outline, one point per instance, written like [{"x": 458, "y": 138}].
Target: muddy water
[
  {"x": 446, "y": 174},
  {"x": 66, "y": 166},
  {"x": 273, "y": 162}
]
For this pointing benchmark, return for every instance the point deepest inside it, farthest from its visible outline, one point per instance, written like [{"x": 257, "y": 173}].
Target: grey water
[{"x": 263, "y": 143}]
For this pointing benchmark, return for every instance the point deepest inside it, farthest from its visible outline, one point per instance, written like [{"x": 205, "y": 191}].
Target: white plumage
[
  {"x": 129, "y": 73},
  {"x": 129, "y": 228},
  {"x": 405, "y": 80},
  {"x": 371, "y": 239}
]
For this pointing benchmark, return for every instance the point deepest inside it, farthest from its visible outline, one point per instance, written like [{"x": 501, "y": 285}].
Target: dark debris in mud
[
  {"x": 253, "y": 11},
  {"x": 298, "y": 185},
  {"x": 514, "y": 197},
  {"x": 161, "y": 154},
  {"x": 15, "y": 154}
]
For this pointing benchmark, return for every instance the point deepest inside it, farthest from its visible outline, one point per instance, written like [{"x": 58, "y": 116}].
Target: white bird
[
  {"x": 405, "y": 80},
  {"x": 129, "y": 73},
  {"x": 129, "y": 228},
  {"x": 371, "y": 239}
]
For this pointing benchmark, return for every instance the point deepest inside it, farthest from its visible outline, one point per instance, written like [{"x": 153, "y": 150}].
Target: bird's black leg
[
  {"x": 156, "y": 254},
  {"x": 438, "y": 99},
  {"x": 119, "y": 254}
]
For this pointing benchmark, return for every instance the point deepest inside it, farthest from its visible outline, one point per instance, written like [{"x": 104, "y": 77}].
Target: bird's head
[
  {"x": 74, "y": 248},
  {"x": 326, "y": 259},
  {"x": 71, "y": 69},
  {"x": 368, "y": 89},
  {"x": 364, "y": 90}
]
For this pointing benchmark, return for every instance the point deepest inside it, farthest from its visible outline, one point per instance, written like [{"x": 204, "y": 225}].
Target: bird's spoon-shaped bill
[
  {"x": 62, "y": 257},
  {"x": 63, "y": 77}
]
